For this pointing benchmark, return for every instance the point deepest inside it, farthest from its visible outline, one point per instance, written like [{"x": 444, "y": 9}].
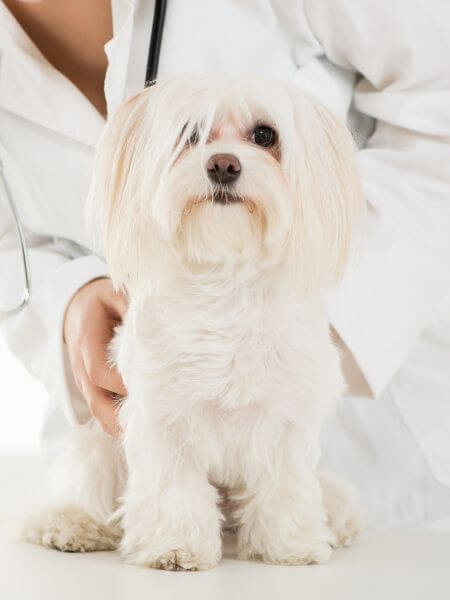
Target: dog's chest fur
[
  {"x": 220, "y": 347},
  {"x": 221, "y": 367}
]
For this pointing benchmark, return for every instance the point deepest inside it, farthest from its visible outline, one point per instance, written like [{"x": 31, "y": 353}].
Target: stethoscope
[
  {"x": 4, "y": 189},
  {"x": 150, "y": 78}
]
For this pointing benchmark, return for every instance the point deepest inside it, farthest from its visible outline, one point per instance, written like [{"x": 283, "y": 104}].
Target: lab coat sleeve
[
  {"x": 35, "y": 335},
  {"x": 400, "y": 49}
]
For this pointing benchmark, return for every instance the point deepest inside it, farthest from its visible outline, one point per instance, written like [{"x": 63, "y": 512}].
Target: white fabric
[{"x": 381, "y": 64}]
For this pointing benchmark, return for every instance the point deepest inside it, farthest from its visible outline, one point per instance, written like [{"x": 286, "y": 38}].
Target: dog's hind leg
[
  {"x": 87, "y": 479},
  {"x": 344, "y": 516},
  {"x": 69, "y": 529}
]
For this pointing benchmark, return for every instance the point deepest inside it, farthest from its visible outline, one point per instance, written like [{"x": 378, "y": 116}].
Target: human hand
[{"x": 89, "y": 324}]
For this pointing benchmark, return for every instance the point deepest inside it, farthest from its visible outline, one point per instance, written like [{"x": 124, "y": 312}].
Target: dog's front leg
[
  {"x": 170, "y": 515},
  {"x": 281, "y": 514}
]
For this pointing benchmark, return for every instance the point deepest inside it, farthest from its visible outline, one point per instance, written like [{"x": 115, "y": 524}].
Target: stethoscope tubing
[
  {"x": 23, "y": 248},
  {"x": 154, "y": 50}
]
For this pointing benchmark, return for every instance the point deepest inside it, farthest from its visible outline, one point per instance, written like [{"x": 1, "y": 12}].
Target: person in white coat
[{"x": 383, "y": 66}]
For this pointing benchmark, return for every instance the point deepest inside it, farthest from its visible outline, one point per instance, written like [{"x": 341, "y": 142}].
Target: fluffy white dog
[{"x": 225, "y": 209}]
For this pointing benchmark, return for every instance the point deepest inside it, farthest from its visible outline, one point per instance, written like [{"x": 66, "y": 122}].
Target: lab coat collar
[
  {"x": 32, "y": 88},
  {"x": 118, "y": 52}
]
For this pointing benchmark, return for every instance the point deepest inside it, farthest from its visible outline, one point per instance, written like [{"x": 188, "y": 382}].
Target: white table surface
[{"x": 384, "y": 565}]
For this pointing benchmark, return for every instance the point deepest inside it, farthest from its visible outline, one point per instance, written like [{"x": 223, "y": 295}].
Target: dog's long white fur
[{"x": 225, "y": 349}]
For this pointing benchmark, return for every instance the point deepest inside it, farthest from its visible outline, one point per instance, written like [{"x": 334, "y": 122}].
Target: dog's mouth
[
  {"x": 221, "y": 197},
  {"x": 224, "y": 196}
]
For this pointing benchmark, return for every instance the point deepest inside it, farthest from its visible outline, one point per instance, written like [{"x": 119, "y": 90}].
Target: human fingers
[
  {"x": 94, "y": 352},
  {"x": 102, "y": 406}
]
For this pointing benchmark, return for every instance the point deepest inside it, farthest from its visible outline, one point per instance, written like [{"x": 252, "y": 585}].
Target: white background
[{"x": 22, "y": 407}]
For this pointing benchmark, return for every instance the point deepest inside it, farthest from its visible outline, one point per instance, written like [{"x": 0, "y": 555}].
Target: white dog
[{"x": 226, "y": 209}]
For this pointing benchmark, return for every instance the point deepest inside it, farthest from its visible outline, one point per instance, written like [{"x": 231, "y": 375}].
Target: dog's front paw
[
  {"x": 347, "y": 529},
  {"x": 302, "y": 546},
  {"x": 181, "y": 559},
  {"x": 177, "y": 534},
  {"x": 166, "y": 550},
  {"x": 345, "y": 517},
  {"x": 69, "y": 529},
  {"x": 295, "y": 552}
]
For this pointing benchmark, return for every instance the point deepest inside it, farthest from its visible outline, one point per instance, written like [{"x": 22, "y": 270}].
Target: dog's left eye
[
  {"x": 264, "y": 136},
  {"x": 193, "y": 140}
]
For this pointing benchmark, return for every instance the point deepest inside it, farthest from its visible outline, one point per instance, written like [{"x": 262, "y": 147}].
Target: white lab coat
[{"x": 385, "y": 66}]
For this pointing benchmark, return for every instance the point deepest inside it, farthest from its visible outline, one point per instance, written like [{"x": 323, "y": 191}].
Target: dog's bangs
[{"x": 260, "y": 101}]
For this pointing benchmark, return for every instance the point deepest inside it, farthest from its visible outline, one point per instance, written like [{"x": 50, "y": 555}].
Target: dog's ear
[
  {"x": 112, "y": 209},
  {"x": 328, "y": 196}
]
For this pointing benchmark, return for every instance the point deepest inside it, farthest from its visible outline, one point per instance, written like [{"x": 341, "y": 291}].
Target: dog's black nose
[{"x": 223, "y": 168}]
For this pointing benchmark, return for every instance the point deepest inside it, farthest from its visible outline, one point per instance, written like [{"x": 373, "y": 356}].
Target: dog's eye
[
  {"x": 194, "y": 137},
  {"x": 193, "y": 140},
  {"x": 264, "y": 136}
]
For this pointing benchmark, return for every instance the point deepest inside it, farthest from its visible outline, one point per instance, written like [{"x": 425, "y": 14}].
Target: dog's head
[{"x": 208, "y": 172}]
